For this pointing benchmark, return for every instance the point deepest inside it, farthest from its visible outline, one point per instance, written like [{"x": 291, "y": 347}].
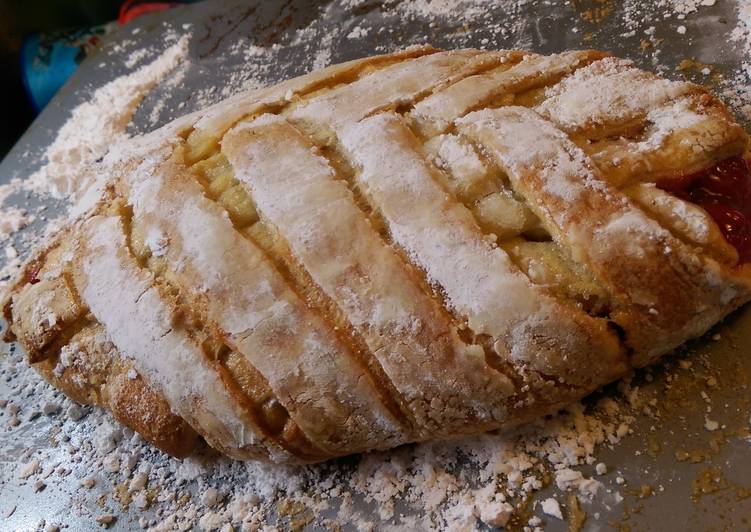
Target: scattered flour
[
  {"x": 429, "y": 482},
  {"x": 551, "y": 507},
  {"x": 467, "y": 9},
  {"x": 13, "y": 219},
  {"x": 358, "y": 32},
  {"x": 686, "y": 7},
  {"x": 136, "y": 56},
  {"x": 736, "y": 89},
  {"x": 323, "y": 55},
  {"x": 98, "y": 123}
]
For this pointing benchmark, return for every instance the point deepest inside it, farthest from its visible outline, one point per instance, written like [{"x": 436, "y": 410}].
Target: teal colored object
[{"x": 49, "y": 59}]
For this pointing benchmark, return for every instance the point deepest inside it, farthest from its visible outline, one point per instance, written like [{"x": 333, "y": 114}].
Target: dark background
[{"x": 21, "y": 17}]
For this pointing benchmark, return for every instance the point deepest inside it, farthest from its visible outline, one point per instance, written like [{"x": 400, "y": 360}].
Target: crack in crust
[{"x": 399, "y": 248}]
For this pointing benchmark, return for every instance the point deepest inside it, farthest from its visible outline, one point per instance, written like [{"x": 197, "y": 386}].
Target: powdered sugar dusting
[
  {"x": 442, "y": 237},
  {"x": 603, "y": 92},
  {"x": 447, "y": 8},
  {"x": 140, "y": 323}
]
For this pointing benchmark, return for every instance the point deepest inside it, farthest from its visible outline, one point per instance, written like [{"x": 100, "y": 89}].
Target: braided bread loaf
[{"x": 401, "y": 248}]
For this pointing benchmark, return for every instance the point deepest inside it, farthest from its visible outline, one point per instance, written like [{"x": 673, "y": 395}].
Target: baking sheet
[{"x": 663, "y": 489}]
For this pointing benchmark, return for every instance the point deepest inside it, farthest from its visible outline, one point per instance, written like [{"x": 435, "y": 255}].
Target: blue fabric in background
[{"x": 49, "y": 59}]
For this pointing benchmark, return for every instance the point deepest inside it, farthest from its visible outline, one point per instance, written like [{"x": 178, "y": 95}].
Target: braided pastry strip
[{"x": 400, "y": 248}]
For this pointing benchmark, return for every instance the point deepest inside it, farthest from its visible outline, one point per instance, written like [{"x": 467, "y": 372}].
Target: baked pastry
[{"x": 400, "y": 248}]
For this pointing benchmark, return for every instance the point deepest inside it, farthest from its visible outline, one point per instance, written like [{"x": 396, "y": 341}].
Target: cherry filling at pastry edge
[{"x": 724, "y": 191}]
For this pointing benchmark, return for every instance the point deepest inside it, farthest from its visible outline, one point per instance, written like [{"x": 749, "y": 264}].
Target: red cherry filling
[{"x": 724, "y": 191}]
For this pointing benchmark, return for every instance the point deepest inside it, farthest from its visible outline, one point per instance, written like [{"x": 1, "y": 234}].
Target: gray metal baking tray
[{"x": 663, "y": 489}]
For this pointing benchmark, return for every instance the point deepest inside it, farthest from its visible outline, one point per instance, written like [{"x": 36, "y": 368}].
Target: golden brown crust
[
  {"x": 665, "y": 149},
  {"x": 662, "y": 292},
  {"x": 91, "y": 371},
  {"x": 400, "y": 248}
]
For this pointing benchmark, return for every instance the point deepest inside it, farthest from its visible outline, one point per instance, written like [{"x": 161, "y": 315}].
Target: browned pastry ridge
[{"x": 400, "y": 248}]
